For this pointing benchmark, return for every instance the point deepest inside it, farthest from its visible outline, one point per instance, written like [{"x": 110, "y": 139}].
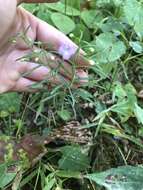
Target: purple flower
[{"x": 67, "y": 51}]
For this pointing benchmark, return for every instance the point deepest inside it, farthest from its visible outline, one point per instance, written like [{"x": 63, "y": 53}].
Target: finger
[
  {"x": 28, "y": 85},
  {"x": 57, "y": 41},
  {"x": 54, "y": 62},
  {"x": 33, "y": 71},
  {"x": 23, "y": 85},
  {"x": 50, "y": 61},
  {"x": 37, "y": 73}
]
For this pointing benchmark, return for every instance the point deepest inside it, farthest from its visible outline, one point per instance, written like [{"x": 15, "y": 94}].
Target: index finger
[
  {"x": 60, "y": 43},
  {"x": 55, "y": 40}
]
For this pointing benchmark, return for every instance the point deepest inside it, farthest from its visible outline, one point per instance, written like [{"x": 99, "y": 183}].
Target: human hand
[{"x": 18, "y": 22}]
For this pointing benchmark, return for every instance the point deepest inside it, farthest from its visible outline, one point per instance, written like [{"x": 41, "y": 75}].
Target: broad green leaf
[
  {"x": 5, "y": 176},
  {"x": 85, "y": 32},
  {"x": 44, "y": 14},
  {"x": 92, "y": 18},
  {"x": 63, "y": 23},
  {"x": 60, "y": 7},
  {"x": 64, "y": 114},
  {"x": 103, "y": 3},
  {"x": 109, "y": 3},
  {"x": 118, "y": 3},
  {"x": 112, "y": 25},
  {"x": 126, "y": 99},
  {"x": 108, "y": 48},
  {"x": 31, "y": 7},
  {"x": 2, "y": 169},
  {"x": 123, "y": 109},
  {"x": 138, "y": 113},
  {"x": 74, "y": 3},
  {"x": 73, "y": 159},
  {"x": 122, "y": 92},
  {"x": 131, "y": 94},
  {"x": 121, "y": 178},
  {"x": 136, "y": 46},
  {"x": 119, "y": 92},
  {"x": 6, "y": 179},
  {"x": 103, "y": 70},
  {"x": 133, "y": 11}
]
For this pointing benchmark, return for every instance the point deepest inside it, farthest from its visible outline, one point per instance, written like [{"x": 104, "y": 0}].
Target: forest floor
[{"x": 73, "y": 133}]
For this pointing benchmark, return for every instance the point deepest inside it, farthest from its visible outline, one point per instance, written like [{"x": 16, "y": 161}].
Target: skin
[{"x": 15, "y": 20}]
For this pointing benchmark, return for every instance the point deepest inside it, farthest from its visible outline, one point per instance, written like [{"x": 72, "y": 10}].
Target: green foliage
[
  {"x": 111, "y": 33},
  {"x": 50, "y": 182},
  {"x": 108, "y": 48},
  {"x": 62, "y": 22},
  {"x": 64, "y": 114},
  {"x": 134, "y": 15},
  {"x": 137, "y": 46},
  {"x": 5, "y": 176},
  {"x": 9, "y": 103},
  {"x": 139, "y": 113},
  {"x": 73, "y": 159},
  {"x": 121, "y": 178},
  {"x": 91, "y": 18},
  {"x": 62, "y": 8}
]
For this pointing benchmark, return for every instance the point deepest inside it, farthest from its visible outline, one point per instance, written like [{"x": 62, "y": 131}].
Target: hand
[{"x": 16, "y": 22}]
